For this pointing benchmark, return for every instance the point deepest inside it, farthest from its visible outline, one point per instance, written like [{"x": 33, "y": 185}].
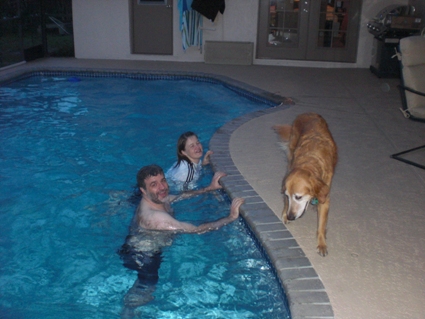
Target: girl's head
[{"x": 189, "y": 148}]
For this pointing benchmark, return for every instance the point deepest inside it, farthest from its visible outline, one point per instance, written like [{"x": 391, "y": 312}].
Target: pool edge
[
  {"x": 304, "y": 289},
  {"x": 238, "y": 86},
  {"x": 306, "y": 294}
]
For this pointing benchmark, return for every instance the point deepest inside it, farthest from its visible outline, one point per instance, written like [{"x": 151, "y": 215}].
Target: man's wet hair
[{"x": 147, "y": 171}]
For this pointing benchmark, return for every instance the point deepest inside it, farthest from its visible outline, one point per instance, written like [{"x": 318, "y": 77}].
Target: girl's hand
[
  {"x": 215, "y": 181},
  {"x": 206, "y": 160}
]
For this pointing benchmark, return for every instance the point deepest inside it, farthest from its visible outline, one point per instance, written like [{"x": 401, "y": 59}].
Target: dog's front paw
[{"x": 322, "y": 250}]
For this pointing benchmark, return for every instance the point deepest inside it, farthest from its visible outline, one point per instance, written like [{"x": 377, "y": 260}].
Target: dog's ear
[
  {"x": 283, "y": 188},
  {"x": 321, "y": 191}
]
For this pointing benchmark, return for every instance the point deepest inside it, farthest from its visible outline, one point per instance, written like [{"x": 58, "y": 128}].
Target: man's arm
[
  {"x": 234, "y": 214},
  {"x": 163, "y": 221},
  {"x": 213, "y": 186}
]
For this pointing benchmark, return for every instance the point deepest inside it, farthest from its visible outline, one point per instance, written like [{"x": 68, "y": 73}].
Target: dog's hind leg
[
  {"x": 284, "y": 131},
  {"x": 322, "y": 220}
]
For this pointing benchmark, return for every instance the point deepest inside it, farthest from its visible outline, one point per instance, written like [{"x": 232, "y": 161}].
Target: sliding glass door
[{"x": 317, "y": 30}]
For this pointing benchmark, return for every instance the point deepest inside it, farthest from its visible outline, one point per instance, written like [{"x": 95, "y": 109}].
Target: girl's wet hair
[{"x": 181, "y": 145}]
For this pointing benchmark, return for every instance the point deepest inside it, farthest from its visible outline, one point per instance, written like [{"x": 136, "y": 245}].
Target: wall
[{"x": 102, "y": 31}]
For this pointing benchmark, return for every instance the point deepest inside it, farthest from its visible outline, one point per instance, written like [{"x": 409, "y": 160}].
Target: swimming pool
[{"x": 71, "y": 147}]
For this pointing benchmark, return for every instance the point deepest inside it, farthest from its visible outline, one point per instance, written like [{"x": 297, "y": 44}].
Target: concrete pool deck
[{"x": 376, "y": 230}]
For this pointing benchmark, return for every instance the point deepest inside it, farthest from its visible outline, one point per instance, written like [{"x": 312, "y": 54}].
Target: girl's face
[{"x": 193, "y": 149}]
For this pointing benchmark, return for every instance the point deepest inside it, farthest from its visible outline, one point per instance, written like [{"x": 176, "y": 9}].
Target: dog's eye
[{"x": 297, "y": 197}]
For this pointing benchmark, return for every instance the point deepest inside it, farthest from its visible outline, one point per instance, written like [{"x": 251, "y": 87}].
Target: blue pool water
[{"x": 69, "y": 152}]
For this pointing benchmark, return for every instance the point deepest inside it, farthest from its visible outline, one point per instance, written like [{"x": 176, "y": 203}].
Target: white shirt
[{"x": 180, "y": 174}]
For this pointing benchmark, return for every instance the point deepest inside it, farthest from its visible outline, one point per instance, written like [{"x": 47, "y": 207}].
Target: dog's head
[{"x": 300, "y": 187}]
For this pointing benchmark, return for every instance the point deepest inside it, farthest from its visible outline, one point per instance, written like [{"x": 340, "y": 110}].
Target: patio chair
[
  {"x": 411, "y": 55},
  {"x": 399, "y": 157}
]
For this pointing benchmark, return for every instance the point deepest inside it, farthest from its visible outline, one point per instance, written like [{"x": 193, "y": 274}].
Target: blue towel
[
  {"x": 190, "y": 25},
  {"x": 183, "y": 5}
]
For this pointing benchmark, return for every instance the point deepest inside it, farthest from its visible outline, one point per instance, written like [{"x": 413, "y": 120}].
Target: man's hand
[
  {"x": 233, "y": 215},
  {"x": 234, "y": 209},
  {"x": 215, "y": 181}
]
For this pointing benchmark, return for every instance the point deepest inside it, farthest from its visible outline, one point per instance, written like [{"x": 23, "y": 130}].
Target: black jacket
[{"x": 209, "y": 8}]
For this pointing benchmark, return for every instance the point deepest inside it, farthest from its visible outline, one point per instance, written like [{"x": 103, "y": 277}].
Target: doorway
[
  {"x": 319, "y": 30},
  {"x": 152, "y": 27},
  {"x": 31, "y": 29}
]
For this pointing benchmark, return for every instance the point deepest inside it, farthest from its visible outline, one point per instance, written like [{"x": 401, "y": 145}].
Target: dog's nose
[{"x": 291, "y": 216}]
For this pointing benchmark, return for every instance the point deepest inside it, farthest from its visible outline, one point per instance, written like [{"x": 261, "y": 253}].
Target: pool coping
[
  {"x": 241, "y": 88},
  {"x": 306, "y": 294}
]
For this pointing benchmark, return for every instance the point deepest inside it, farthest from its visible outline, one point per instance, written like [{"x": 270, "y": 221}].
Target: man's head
[
  {"x": 152, "y": 183},
  {"x": 147, "y": 171}
]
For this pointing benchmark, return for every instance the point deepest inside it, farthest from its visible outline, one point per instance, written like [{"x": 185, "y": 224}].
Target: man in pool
[{"x": 153, "y": 226}]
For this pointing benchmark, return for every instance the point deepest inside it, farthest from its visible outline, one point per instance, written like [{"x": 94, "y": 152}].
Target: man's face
[{"x": 156, "y": 188}]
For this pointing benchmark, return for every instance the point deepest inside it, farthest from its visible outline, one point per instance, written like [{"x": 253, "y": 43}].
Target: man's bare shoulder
[{"x": 154, "y": 219}]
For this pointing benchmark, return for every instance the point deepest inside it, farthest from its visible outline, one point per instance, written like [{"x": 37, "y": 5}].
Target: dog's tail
[{"x": 284, "y": 131}]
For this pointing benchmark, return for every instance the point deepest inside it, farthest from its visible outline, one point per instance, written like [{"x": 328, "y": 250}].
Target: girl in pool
[{"x": 187, "y": 169}]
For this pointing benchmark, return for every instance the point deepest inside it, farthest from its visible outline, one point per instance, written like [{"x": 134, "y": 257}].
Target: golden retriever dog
[{"x": 312, "y": 157}]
